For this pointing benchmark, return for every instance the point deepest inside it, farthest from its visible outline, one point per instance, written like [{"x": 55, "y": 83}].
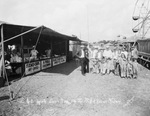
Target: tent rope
[
  {"x": 29, "y": 62},
  {"x": 22, "y": 34}
]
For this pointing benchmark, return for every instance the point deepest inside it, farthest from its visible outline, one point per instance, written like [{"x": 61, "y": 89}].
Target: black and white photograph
[{"x": 74, "y": 57}]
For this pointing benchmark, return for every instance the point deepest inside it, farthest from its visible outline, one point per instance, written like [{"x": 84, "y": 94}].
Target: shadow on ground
[
  {"x": 64, "y": 69},
  {"x": 4, "y": 98}
]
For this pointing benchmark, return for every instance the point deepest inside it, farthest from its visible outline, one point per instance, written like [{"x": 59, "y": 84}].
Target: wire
[
  {"x": 10, "y": 93},
  {"x": 135, "y": 7}
]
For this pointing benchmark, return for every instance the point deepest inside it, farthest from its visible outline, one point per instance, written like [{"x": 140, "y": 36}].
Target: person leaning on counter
[{"x": 34, "y": 53}]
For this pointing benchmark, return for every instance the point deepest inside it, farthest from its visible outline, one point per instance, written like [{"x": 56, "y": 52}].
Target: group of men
[{"x": 106, "y": 60}]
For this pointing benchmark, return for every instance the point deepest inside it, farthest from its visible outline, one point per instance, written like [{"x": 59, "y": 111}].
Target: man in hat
[{"x": 81, "y": 55}]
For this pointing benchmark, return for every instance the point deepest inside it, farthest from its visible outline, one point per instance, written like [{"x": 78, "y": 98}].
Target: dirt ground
[{"x": 63, "y": 91}]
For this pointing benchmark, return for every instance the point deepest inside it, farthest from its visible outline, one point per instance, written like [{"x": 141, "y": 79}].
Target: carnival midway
[{"x": 46, "y": 73}]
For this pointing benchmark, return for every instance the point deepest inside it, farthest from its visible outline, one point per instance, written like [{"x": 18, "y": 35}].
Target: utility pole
[{"x": 88, "y": 25}]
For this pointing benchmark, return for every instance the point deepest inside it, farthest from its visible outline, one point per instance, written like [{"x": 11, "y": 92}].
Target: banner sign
[
  {"x": 56, "y": 61},
  {"x": 32, "y": 67},
  {"x": 59, "y": 60},
  {"x": 62, "y": 59},
  {"x": 46, "y": 63}
]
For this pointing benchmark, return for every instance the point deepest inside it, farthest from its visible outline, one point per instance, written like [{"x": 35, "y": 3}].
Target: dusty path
[{"x": 65, "y": 92}]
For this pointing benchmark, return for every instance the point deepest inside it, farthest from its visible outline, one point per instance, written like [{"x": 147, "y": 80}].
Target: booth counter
[{"x": 36, "y": 66}]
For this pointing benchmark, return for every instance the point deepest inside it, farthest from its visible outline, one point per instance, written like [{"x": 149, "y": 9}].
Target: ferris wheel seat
[
  {"x": 135, "y": 30},
  {"x": 135, "y": 17}
]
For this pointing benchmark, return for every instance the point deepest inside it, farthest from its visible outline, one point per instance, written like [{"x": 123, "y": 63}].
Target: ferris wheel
[{"x": 141, "y": 18}]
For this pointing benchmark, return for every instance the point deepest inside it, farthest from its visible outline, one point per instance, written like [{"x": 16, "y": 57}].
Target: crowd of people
[{"x": 106, "y": 60}]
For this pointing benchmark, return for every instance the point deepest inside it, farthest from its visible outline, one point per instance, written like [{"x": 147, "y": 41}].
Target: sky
[{"x": 89, "y": 20}]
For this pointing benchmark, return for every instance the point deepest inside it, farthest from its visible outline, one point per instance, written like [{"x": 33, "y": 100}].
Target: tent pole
[
  {"x": 2, "y": 42},
  {"x": 3, "y": 61},
  {"x": 22, "y": 55},
  {"x": 22, "y": 33},
  {"x": 67, "y": 50},
  {"x": 51, "y": 48}
]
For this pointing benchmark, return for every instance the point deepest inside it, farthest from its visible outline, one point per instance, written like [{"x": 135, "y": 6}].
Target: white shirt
[
  {"x": 125, "y": 53},
  {"x": 99, "y": 55},
  {"x": 107, "y": 53},
  {"x": 82, "y": 54},
  {"x": 34, "y": 52},
  {"x": 115, "y": 55},
  {"x": 95, "y": 53}
]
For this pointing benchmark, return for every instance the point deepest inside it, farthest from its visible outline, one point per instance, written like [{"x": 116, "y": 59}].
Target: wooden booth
[{"x": 52, "y": 47}]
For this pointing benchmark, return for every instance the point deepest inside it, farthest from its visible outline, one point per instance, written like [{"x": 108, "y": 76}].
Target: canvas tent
[{"x": 42, "y": 37}]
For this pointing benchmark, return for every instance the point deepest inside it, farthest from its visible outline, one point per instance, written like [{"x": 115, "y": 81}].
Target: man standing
[{"x": 81, "y": 55}]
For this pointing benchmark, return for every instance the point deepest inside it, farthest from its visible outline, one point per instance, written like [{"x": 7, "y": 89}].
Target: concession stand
[{"x": 52, "y": 48}]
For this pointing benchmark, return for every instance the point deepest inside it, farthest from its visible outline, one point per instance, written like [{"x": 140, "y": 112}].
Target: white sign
[
  {"x": 56, "y": 61},
  {"x": 59, "y": 60},
  {"x": 32, "y": 67},
  {"x": 62, "y": 59},
  {"x": 46, "y": 63}
]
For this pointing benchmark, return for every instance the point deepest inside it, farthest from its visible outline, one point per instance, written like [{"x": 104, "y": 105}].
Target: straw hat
[{"x": 82, "y": 46}]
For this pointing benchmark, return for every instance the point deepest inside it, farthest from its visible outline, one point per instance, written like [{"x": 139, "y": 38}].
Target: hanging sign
[
  {"x": 46, "y": 63},
  {"x": 32, "y": 67}
]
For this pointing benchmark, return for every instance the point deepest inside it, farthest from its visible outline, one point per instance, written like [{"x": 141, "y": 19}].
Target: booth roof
[{"x": 11, "y": 30}]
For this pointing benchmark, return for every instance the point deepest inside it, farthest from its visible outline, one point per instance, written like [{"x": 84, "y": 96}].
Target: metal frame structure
[{"x": 141, "y": 16}]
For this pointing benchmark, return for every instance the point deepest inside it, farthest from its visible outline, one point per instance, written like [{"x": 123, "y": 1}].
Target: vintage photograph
[{"x": 74, "y": 57}]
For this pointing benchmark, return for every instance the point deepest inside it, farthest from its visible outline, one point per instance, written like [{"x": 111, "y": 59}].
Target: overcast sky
[{"x": 89, "y": 19}]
